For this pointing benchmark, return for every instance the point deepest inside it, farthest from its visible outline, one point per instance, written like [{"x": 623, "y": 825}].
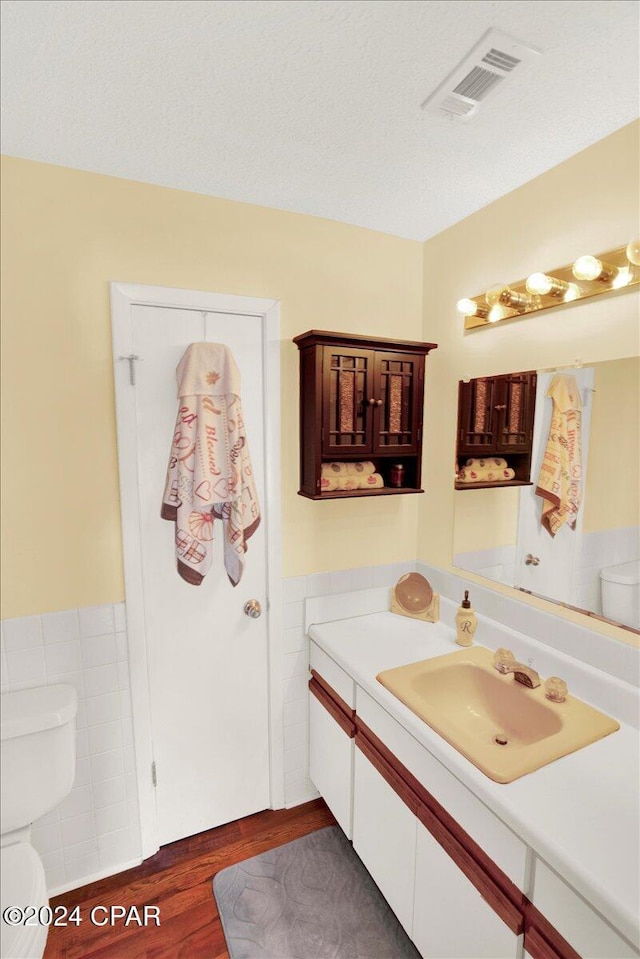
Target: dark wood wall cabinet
[
  {"x": 360, "y": 399},
  {"x": 495, "y": 418}
]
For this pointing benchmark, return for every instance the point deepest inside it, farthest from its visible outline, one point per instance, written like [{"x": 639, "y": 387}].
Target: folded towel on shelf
[
  {"x": 329, "y": 483},
  {"x": 486, "y": 462},
  {"x": 366, "y": 468},
  {"x": 348, "y": 483},
  {"x": 334, "y": 469},
  {"x": 361, "y": 469},
  {"x": 467, "y": 475}
]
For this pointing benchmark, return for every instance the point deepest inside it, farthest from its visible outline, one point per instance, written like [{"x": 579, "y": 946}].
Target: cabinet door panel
[
  {"x": 589, "y": 934},
  {"x": 346, "y": 409},
  {"x": 331, "y": 759},
  {"x": 384, "y": 836},
  {"x": 451, "y": 920},
  {"x": 398, "y": 392},
  {"x": 477, "y": 400},
  {"x": 516, "y": 407}
]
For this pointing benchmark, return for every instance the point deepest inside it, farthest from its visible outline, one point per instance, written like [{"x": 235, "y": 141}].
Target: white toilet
[
  {"x": 621, "y": 593},
  {"x": 37, "y": 762}
]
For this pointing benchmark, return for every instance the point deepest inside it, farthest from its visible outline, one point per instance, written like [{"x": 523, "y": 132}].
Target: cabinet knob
[
  {"x": 372, "y": 401},
  {"x": 531, "y": 560},
  {"x": 501, "y": 406},
  {"x": 378, "y": 402}
]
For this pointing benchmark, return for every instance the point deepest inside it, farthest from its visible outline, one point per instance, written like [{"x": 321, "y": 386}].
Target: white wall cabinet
[
  {"x": 384, "y": 836},
  {"x": 331, "y": 763},
  {"x": 451, "y": 920}
]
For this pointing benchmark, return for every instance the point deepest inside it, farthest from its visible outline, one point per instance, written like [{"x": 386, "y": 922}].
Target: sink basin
[{"x": 501, "y": 726}]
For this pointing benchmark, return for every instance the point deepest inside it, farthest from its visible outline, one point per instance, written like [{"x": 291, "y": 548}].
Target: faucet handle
[
  {"x": 503, "y": 660},
  {"x": 555, "y": 689}
]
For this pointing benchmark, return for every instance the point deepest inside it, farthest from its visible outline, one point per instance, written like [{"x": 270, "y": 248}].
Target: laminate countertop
[{"x": 580, "y": 814}]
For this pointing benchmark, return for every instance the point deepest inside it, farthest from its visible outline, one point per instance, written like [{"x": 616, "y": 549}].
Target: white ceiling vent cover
[{"x": 494, "y": 58}]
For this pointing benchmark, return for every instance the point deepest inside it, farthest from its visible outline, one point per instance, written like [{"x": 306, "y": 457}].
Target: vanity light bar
[{"x": 587, "y": 276}]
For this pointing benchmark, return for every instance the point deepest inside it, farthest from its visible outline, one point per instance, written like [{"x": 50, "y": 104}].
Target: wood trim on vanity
[
  {"x": 541, "y": 939},
  {"x": 335, "y": 705},
  {"x": 494, "y": 886}
]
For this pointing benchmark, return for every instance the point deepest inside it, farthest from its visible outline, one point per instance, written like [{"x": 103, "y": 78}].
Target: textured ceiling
[{"x": 313, "y": 106}]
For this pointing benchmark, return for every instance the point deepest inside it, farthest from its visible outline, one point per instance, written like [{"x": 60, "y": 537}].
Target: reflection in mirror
[{"x": 498, "y": 532}]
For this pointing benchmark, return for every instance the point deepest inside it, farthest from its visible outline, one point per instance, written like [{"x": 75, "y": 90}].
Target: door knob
[
  {"x": 531, "y": 560},
  {"x": 252, "y": 608}
]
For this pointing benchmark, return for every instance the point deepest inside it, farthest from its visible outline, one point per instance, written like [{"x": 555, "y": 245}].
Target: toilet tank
[
  {"x": 38, "y": 754},
  {"x": 621, "y": 593}
]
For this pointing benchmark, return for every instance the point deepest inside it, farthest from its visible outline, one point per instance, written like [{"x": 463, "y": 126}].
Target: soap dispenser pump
[{"x": 466, "y": 622}]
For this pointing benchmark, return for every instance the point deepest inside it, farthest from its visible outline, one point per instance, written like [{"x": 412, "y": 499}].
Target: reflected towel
[
  {"x": 348, "y": 483},
  {"x": 560, "y": 480}
]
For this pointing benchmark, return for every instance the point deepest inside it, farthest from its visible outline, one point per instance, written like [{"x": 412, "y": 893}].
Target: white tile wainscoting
[{"x": 95, "y": 831}]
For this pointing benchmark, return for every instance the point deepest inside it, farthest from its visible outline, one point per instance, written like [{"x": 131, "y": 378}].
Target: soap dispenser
[{"x": 466, "y": 622}]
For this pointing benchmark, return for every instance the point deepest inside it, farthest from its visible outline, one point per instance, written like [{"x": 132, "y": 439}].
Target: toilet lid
[{"x": 22, "y": 883}]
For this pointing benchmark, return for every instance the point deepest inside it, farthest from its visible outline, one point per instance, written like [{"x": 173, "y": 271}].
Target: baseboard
[
  {"x": 94, "y": 877},
  {"x": 314, "y": 794}
]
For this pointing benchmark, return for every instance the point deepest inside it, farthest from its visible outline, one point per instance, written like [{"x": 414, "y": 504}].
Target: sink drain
[{"x": 500, "y": 740}]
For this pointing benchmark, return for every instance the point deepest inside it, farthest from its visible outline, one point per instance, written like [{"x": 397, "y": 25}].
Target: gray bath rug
[{"x": 310, "y": 899}]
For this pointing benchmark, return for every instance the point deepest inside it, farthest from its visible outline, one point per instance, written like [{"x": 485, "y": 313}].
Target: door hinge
[
  {"x": 154, "y": 776},
  {"x": 131, "y": 360}
]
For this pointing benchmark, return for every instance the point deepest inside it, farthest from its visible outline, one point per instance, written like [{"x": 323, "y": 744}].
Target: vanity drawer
[
  {"x": 583, "y": 928},
  {"x": 491, "y": 834},
  {"x": 333, "y": 675}
]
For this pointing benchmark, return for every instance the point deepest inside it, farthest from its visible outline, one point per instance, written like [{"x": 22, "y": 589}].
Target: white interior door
[
  {"x": 206, "y": 660},
  {"x": 555, "y": 574}
]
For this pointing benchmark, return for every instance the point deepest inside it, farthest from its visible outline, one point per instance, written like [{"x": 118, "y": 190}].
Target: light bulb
[
  {"x": 633, "y": 251},
  {"x": 466, "y": 307},
  {"x": 539, "y": 283},
  {"x": 587, "y": 268},
  {"x": 542, "y": 285},
  {"x": 591, "y": 268}
]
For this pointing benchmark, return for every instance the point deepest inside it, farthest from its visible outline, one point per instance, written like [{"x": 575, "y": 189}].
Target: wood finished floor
[{"x": 178, "y": 880}]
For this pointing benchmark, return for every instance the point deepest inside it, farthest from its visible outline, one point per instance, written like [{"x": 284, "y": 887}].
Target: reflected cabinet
[
  {"x": 360, "y": 399},
  {"x": 495, "y": 418}
]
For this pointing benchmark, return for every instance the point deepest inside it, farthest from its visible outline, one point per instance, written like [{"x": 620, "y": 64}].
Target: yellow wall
[
  {"x": 66, "y": 235},
  {"x": 485, "y": 519},
  {"x": 587, "y": 204},
  {"x": 612, "y": 500}
]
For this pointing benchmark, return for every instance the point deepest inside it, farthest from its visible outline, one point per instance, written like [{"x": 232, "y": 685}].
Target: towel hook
[{"x": 131, "y": 360}]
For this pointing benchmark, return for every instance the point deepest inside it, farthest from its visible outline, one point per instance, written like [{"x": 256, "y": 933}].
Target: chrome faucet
[{"x": 505, "y": 662}]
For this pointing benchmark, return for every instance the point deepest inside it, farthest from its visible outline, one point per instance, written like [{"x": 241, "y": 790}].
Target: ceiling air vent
[{"x": 494, "y": 58}]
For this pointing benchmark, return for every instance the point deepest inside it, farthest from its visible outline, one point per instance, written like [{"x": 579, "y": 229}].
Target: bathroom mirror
[{"x": 498, "y": 532}]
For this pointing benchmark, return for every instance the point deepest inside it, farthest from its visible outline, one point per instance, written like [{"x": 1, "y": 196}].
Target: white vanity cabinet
[
  {"x": 451, "y": 920},
  {"x": 384, "y": 836},
  {"x": 583, "y": 928},
  {"x": 331, "y": 736},
  {"x": 460, "y": 881},
  {"x": 330, "y": 762}
]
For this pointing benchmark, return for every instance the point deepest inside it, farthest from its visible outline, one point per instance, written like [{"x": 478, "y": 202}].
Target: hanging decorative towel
[
  {"x": 560, "y": 479},
  {"x": 209, "y": 475}
]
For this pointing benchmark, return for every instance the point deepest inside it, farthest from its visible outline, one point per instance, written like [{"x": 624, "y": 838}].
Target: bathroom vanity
[{"x": 545, "y": 866}]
